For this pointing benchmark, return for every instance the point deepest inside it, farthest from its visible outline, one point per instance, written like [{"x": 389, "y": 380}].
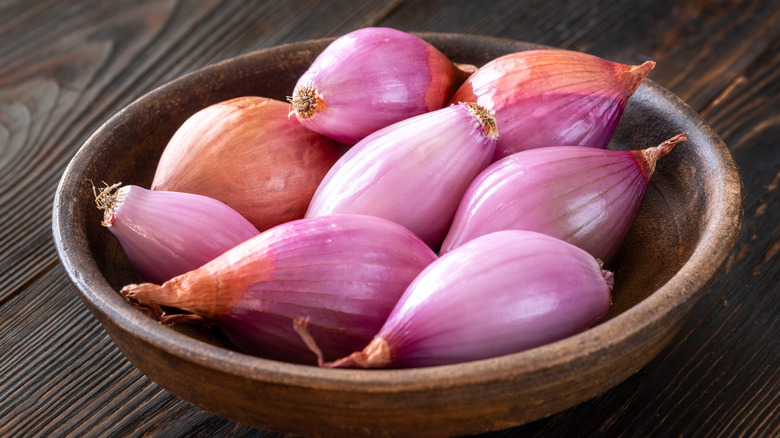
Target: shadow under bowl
[{"x": 687, "y": 226}]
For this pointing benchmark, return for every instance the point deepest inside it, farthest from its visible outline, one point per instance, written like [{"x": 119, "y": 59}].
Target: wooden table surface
[{"x": 67, "y": 66}]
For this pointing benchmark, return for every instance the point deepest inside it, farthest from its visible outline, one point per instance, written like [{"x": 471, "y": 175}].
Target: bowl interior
[{"x": 686, "y": 226}]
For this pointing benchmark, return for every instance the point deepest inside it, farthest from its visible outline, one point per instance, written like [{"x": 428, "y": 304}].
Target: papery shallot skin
[
  {"x": 501, "y": 293},
  {"x": 342, "y": 272},
  {"x": 553, "y": 97},
  {"x": 586, "y": 196},
  {"x": 165, "y": 234},
  {"x": 371, "y": 78},
  {"x": 247, "y": 153},
  {"x": 413, "y": 172}
]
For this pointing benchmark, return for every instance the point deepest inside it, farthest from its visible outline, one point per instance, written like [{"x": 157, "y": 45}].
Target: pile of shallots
[{"x": 401, "y": 210}]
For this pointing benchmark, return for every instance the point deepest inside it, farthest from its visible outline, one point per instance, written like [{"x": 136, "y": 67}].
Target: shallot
[
  {"x": 501, "y": 293},
  {"x": 553, "y": 97},
  {"x": 165, "y": 234},
  {"x": 586, "y": 196},
  {"x": 371, "y": 78},
  {"x": 344, "y": 273},
  {"x": 413, "y": 172},
  {"x": 247, "y": 153}
]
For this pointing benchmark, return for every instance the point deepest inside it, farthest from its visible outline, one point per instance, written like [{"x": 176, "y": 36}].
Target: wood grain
[{"x": 66, "y": 67}]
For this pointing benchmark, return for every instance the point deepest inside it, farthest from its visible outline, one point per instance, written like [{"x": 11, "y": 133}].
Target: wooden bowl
[{"x": 687, "y": 226}]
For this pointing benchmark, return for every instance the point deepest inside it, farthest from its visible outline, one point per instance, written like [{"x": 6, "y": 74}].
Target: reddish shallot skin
[
  {"x": 165, "y": 234},
  {"x": 247, "y": 153},
  {"x": 586, "y": 196},
  {"x": 371, "y": 78},
  {"x": 413, "y": 172},
  {"x": 553, "y": 97},
  {"x": 344, "y": 273},
  {"x": 501, "y": 293}
]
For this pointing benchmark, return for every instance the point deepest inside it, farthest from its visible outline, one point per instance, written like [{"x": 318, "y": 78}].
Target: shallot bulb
[
  {"x": 165, "y": 234},
  {"x": 588, "y": 197},
  {"x": 553, "y": 97},
  {"x": 247, "y": 153},
  {"x": 344, "y": 273},
  {"x": 413, "y": 172},
  {"x": 501, "y": 293},
  {"x": 371, "y": 78}
]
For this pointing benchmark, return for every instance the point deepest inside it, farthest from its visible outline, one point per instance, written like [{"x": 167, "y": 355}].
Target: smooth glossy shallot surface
[
  {"x": 247, "y": 153},
  {"x": 165, "y": 234},
  {"x": 500, "y": 293},
  {"x": 553, "y": 97},
  {"x": 371, "y": 78},
  {"x": 586, "y": 196},
  {"x": 344, "y": 273},
  {"x": 413, "y": 172}
]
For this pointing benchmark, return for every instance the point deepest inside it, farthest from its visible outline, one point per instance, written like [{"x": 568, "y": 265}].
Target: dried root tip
[
  {"x": 609, "y": 277},
  {"x": 156, "y": 312},
  {"x": 636, "y": 74},
  {"x": 306, "y": 102},
  {"x": 105, "y": 199},
  {"x": 485, "y": 118},
  {"x": 375, "y": 355},
  {"x": 300, "y": 325},
  {"x": 152, "y": 296},
  {"x": 653, "y": 154},
  {"x": 184, "y": 318},
  {"x": 128, "y": 292},
  {"x": 668, "y": 145},
  {"x": 464, "y": 70},
  {"x": 144, "y": 294}
]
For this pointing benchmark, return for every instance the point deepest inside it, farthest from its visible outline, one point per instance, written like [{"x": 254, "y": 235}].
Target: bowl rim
[{"x": 678, "y": 294}]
